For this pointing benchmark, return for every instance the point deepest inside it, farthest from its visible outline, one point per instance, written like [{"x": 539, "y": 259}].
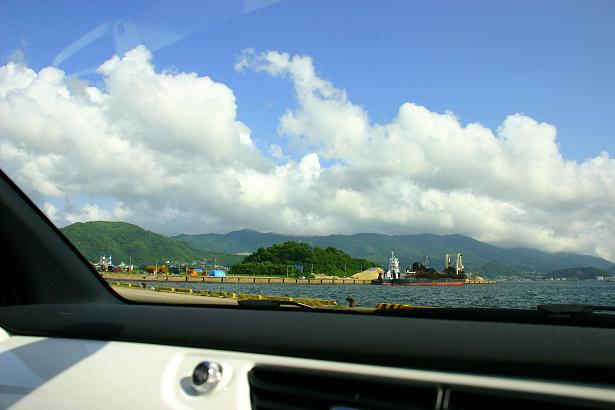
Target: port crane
[{"x": 459, "y": 268}]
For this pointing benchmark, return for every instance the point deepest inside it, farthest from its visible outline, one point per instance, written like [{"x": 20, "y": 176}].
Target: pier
[
  {"x": 109, "y": 276},
  {"x": 231, "y": 279},
  {"x": 480, "y": 282}
]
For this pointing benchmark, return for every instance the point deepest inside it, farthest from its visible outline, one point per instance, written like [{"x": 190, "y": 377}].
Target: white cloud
[
  {"x": 326, "y": 118},
  {"x": 16, "y": 55},
  {"x": 92, "y": 212},
  {"x": 426, "y": 171},
  {"x": 52, "y": 212},
  {"x": 276, "y": 151},
  {"x": 168, "y": 150}
]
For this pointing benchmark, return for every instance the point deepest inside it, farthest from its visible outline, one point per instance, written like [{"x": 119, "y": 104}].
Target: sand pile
[{"x": 368, "y": 274}]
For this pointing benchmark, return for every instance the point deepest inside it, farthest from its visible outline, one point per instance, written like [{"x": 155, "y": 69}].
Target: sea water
[{"x": 500, "y": 295}]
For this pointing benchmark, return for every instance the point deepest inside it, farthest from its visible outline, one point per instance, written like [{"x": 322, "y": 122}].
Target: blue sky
[
  {"x": 367, "y": 102},
  {"x": 483, "y": 60}
]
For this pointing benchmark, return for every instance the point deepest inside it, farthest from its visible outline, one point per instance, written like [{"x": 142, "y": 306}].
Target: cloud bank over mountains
[{"x": 168, "y": 152}]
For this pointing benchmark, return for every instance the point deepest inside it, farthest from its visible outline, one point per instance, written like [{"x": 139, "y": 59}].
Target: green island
[{"x": 297, "y": 259}]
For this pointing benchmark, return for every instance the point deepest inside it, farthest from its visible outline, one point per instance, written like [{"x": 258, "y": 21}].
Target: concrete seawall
[
  {"x": 232, "y": 279},
  {"x": 480, "y": 282},
  {"x": 250, "y": 279}
]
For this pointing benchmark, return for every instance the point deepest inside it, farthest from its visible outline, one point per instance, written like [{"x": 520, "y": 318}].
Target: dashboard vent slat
[
  {"x": 299, "y": 389},
  {"x": 476, "y": 400}
]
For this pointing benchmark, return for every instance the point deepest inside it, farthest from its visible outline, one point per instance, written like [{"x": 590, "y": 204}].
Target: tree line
[{"x": 299, "y": 259}]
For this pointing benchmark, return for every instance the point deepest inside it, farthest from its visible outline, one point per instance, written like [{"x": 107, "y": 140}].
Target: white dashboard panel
[{"x": 40, "y": 372}]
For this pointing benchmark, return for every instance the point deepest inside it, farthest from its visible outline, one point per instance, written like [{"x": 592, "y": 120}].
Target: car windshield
[{"x": 324, "y": 153}]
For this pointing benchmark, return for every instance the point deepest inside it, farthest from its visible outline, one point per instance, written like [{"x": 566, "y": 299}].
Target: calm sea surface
[{"x": 502, "y": 294}]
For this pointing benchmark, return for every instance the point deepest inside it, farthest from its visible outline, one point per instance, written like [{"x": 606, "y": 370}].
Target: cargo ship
[{"x": 420, "y": 274}]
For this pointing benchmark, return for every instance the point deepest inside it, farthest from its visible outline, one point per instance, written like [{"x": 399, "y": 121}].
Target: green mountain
[
  {"x": 299, "y": 259},
  {"x": 244, "y": 241},
  {"x": 479, "y": 257},
  {"x": 125, "y": 241}
]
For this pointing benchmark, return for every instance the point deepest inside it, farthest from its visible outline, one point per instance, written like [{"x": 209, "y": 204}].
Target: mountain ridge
[
  {"x": 129, "y": 242},
  {"x": 126, "y": 240},
  {"x": 480, "y": 257}
]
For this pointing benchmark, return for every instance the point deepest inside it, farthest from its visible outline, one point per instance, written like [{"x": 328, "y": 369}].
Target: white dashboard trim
[
  {"x": 3, "y": 335},
  {"x": 72, "y": 372}
]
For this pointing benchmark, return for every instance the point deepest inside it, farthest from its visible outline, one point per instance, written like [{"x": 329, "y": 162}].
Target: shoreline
[
  {"x": 109, "y": 276},
  {"x": 151, "y": 296},
  {"x": 261, "y": 280},
  {"x": 189, "y": 296}
]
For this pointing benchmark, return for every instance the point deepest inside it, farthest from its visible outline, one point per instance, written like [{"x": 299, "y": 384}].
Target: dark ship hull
[
  {"x": 419, "y": 282},
  {"x": 424, "y": 279}
]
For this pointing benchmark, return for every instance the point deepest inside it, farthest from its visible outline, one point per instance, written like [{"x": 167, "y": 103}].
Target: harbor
[
  {"x": 419, "y": 274},
  {"x": 112, "y": 276}
]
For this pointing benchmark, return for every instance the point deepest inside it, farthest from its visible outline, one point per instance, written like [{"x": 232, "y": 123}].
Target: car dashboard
[{"x": 140, "y": 356}]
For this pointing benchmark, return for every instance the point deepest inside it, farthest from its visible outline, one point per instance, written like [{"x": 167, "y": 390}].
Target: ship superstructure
[{"x": 394, "y": 272}]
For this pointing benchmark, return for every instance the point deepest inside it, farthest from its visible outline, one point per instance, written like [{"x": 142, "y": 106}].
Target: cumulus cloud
[
  {"x": 146, "y": 138},
  {"x": 168, "y": 150},
  {"x": 426, "y": 171},
  {"x": 276, "y": 151},
  {"x": 91, "y": 212}
]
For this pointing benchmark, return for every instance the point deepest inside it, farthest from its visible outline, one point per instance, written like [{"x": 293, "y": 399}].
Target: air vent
[
  {"x": 284, "y": 388},
  {"x": 469, "y": 400}
]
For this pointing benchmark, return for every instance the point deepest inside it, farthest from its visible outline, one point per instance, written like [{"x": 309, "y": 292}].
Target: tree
[{"x": 275, "y": 259}]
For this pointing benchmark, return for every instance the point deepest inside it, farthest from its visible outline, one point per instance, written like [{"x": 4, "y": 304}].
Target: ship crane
[
  {"x": 447, "y": 262},
  {"x": 459, "y": 269},
  {"x": 459, "y": 264}
]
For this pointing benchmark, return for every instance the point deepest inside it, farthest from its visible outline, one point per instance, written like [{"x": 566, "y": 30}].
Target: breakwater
[
  {"x": 230, "y": 279},
  {"x": 249, "y": 280},
  {"x": 480, "y": 282}
]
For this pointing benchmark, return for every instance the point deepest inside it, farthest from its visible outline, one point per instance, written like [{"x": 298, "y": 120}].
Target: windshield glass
[{"x": 336, "y": 153}]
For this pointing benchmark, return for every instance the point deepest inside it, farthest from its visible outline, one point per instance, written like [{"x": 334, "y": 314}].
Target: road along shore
[
  {"x": 150, "y": 296},
  {"x": 182, "y": 296},
  {"x": 159, "y": 294}
]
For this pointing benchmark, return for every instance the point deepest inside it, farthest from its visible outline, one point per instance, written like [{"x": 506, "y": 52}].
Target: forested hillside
[
  {"x": 126, "y": 242},
  {"x": 480, "y": 257},
  {"x": 300, "y": 259}
]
